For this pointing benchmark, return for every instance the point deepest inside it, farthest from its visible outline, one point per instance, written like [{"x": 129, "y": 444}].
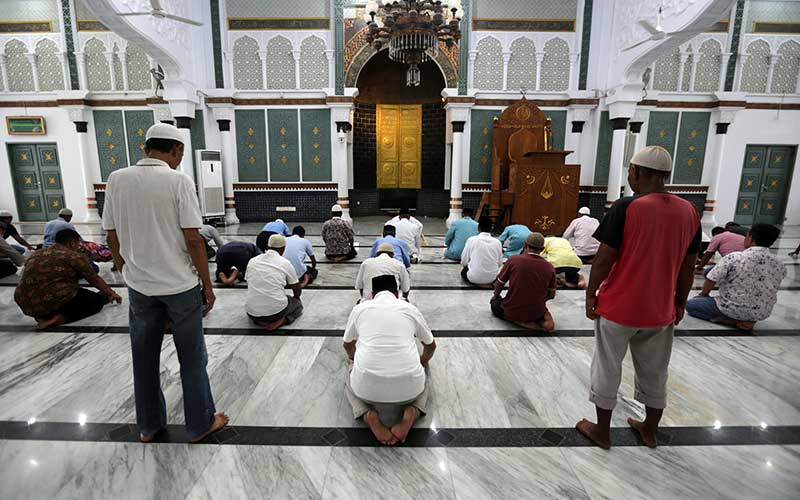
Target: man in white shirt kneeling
[
  {"x": 482, "y": 257},
  {"x": 383, "y": 263},
  {"x": 267, "y": 276},
  {"x": 380, "y": 339}
]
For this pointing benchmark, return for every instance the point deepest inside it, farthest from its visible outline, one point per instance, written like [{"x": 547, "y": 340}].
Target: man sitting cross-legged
[
  {"x": 531, "y": 283},
  {"x": 382, "y": 264},
  {"x": 381, "y": 340},
  {"x": 459, "y": 232},
  {"x": 49, "y": 289},
  {"x": 297, "y": 249},
  {"x": 482, "y": 256},
  {"x": 232, "y": 259},
  {"x": 748, "y": 283},
  {"x": 338, "y": 236},
  {"x": 267, "y": 276},
  {"x": 401, "y": 253}
]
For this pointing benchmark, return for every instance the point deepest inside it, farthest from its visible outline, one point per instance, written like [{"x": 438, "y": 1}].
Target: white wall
[
  {"x": 757, "y": 127},
  {"x": 60, "y": 130}
]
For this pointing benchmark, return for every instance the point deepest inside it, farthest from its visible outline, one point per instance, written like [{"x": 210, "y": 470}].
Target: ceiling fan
[
  {"x": 657, "y": 32},
  {"x": 157, "y": 11}
]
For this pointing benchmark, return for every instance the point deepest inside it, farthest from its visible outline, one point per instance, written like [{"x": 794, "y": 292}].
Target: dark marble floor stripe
[
  {"x": 305, "y": 332},
  {"x": 359, "y": 436}
]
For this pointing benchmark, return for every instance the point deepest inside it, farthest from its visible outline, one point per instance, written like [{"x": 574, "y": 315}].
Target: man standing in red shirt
[{"x": 658, "y": 232}]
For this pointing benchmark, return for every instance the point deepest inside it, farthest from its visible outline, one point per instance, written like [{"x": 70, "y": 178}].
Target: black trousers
[
  {"x": 349, "y": 255},
  {"x": 7, "y": 268},
  {"x": 570, "y": 274},
  {"x": 86, "y": 303},
  {"x": 311, "y": 273}
]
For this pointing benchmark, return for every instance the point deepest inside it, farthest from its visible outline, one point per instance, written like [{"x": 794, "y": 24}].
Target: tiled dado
[{"x": 261, "y": 202}]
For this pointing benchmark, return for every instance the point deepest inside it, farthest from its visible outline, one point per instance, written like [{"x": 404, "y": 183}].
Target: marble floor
[{"x": 501, "y": 410}]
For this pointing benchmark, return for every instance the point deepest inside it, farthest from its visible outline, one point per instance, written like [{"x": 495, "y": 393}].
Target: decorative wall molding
[
  {"x": 546, "y": 25},
  {"x": 26, "y": 26},
  {"x": 285, "y": 186},
  {"x": 278, "y": 23}
]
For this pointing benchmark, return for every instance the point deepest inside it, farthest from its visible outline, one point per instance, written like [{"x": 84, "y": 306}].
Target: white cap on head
[
  {"x": 336, "y": 208},
  {"x": 276, "y": 241},
  {"x": 6, "y": 213},
  {"x": 585, "y": 211},
  {"x": 164, "y": 131},
  {"x": 64, "y": 212},
  {"x": 653, "y": 157},
  {"x": 278, "y": 220}
]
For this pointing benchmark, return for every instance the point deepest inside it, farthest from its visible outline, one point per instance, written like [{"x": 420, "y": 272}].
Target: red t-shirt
[
  {"x": 530, "y": 276},
  {"x": 653, "y": 234}
]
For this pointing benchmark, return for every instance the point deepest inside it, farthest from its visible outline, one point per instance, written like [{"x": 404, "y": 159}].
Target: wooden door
[
  {"x": 37, "y": 181},
  {"x": 764, "y": 187},
  {"x": 399, "y": 146}
]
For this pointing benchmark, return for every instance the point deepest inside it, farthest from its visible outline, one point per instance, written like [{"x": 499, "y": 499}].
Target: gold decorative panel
[{"x": 399, "y": 146}]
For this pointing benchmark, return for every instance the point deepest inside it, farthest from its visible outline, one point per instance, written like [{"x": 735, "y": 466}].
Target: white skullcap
[
  {"x": 336, "y": 208},
  {"x": 6, "y": 213},
  {"x": 276, "y": 241},
  {"x": 585, "y": 211},
  {"x": 164, "y": 131},
  {"x": 64, "y": 212},
  {"x": 653, "y": 157}
]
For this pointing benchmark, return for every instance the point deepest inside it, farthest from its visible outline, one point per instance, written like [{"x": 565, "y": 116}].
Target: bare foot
[
  {"x": 44, "y": 324},
  {"x": 305, "y": 281},
  {"x": 648, "y": 437},
  {"x": 402, "y": 429},
  {"x": 487, "y": 286},
  {"x": 745, "y": 325},
  {"x": 272, "y": 326},
  {"x": 594, "y": 433},
  {"x": 548, "y": 323},
  {"x": 530, "y": 325},
  {"x": 220, "y": 421},
  {"x": 380, "y": 431},
  {"x": 146, "y": 439}
]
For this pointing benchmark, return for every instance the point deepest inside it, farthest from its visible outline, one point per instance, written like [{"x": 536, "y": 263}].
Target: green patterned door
[
  {"x": 37, "y": 181},
  {"x": 763, "y": 190}
]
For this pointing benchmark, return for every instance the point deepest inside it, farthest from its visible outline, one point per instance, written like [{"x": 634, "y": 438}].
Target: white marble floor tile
[
  {"x": 505, "y": 473},
  {"x": 389, "y": 473}
]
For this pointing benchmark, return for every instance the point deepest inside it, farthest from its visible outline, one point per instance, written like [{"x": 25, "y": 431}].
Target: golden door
[{"x": 399, "y": 146}]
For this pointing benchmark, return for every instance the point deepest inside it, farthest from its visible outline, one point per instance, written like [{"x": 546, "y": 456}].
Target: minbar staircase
[{"x": 497, "y": 206}]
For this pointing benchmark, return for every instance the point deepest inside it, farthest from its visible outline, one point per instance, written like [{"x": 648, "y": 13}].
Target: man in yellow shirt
[{"x": 559, "y": 253}]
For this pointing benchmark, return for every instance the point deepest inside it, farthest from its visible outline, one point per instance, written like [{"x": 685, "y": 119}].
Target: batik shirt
[
  {"x": 748, "y": 283},
  {"x": 338, "y": 236},
  {"x": 50, "y": 280}
]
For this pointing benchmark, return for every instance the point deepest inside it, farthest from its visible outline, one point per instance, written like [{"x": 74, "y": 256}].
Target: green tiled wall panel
[
  {"x": 284, "y": 154},
  {"x": 251, "y": 145},
  {"x": 315, "y": 135},
  {"x": 110, "y": 133},
  {"x": 559, "y": 124},
  {"x": 602, "y": 160},
  {"x": 691, "y": 150},
  {"x": 198, "y": 132},
  {"x": 137, "y": 123},
  {"x": 663, "y": 130}
]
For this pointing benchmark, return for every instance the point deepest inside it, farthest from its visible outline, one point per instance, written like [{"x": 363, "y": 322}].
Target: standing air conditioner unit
[{"x": 209, "y": 185}]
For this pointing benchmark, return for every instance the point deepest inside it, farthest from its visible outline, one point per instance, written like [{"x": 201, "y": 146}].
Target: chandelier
[{"x": 412, "y": 30}]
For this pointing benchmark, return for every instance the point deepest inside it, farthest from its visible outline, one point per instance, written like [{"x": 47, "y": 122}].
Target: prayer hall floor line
[
  {"x": 260, "y": 332},
  {"x": 518, "y": 437}
]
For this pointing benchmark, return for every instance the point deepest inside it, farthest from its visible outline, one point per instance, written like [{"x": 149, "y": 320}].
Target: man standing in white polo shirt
[
  {"x": 482, "y": 257},
  {"x": 268, "y": 275},
  {"x": 152, "y": 218}
]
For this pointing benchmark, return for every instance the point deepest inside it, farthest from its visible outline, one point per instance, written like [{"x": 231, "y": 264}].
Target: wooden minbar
[{"x": 531, "y": 184}]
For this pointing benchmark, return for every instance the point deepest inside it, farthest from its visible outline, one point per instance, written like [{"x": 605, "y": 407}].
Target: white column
[
  {"x": 574, "y": 69},
  {"x": 110, "y": 58},
  {"x": 4, "y": 71},
  {"x": 539, "y": 59},
  {"x": 331, "y": 68},
  {"x": 84, "y": 155},
  {"x": 473, "y": 55},
  {"x": 123, "y": 60},
  {"x": 65, "y": 70},
  {"x": 773, "y": 61},
  {"x": 725, "y": 59},
  {"x": 229, "y": 60},
  {"x": 636, "y": 130},
  {"x": 80, "y": 61},
  {"x": 693, "y": 71},
  {"x": 615, "y": 166},
  {"x": 230, "y": 175},
  {"x": 263, "y": 55},
  {"x": 339, "y": 158},
  {"x": 683, "y": 58},
  {"x": 296, "y": 56},
  {"x": 34, "y": 69},
  {"x": 506, "y": 58},
  {"x": 714, "y": 173},
  {"x": 456, "y": 195},
  {"x": 742, "y": 62},
  {"x": 184, "y": 125}
]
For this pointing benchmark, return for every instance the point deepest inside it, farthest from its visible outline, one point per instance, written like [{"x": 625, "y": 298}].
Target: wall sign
[{"x": 25, "y": 125}]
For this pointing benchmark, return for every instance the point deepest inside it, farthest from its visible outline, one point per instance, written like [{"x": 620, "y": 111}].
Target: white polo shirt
[
  {"x": 580, "y": 232},
  {"x": 379, "y": 266},
  {"x": 409, "y": 232},
  {"x": 148, "y": 205},
  {"x": 267, "y": 277},
  {"x": 483, "y": 256},
  {"x": 386, "y": 368}
]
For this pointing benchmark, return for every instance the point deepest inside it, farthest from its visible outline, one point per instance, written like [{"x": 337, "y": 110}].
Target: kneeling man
[
  {"x": 382, "y": 264},
  {"x": 267, "y": 276},
  {"x": 381, "y": 340},
  {"x": 49, "y": 289}
]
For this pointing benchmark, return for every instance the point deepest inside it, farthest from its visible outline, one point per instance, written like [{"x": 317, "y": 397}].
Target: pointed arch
[
  {"x": 709, "y": 67},
  {"x": 280, "y": 64},
  {"x": 138, "y": 69},
  {"x": 522, "y": 65},
  {"x": 18, "y": 68},
  {"x": 98, "y": 71},
  {"x": 313, "y": 63},
  {"x": 555, "y": 65},
  {"x": 756, "y": 67},
  {"x": 488, "y": 74},
  {"x": 787, "y": 70},
  {"x": 49, "y": 66},
  {"x": 247, "y": 71}
]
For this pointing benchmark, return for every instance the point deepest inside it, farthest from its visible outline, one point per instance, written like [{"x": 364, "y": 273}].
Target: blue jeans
[
  {"x": 704, "y": 308},
  {"x": 148, "y": 317}
]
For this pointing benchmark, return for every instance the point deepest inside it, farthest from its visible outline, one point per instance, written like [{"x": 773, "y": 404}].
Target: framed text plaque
[{"x": 26, "y": 125}]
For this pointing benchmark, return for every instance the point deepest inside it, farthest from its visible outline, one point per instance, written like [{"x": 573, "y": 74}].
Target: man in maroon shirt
[
  {"x": 532, "y": 284},
  {"x": 643, "y": 271}
]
